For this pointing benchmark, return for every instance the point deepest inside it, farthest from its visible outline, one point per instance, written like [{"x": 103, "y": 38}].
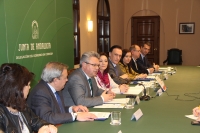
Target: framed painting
[{"x": 186, "y": 28}]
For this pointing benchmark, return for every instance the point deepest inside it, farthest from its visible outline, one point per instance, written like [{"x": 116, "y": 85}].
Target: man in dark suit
[
  {"x": 81, "y": 88},
  {"x": 46, "y": 99},
  {"x": 135, "y": 52},
  {"x": 143, "y": 61},
  {"x": 115, "y": 72}
]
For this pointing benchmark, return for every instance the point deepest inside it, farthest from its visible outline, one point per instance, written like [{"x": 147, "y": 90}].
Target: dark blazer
[
  {"x": 140, "y": 69},
  {"x": 77, "y": 90},
  {"x": 43, "y": 102},
  {"x": 142, "y": 64},
  {"x": 116, "y": 75},
  {"x": 10, "y": 123}
]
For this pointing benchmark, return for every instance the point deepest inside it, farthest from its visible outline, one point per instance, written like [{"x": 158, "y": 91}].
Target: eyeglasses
[{"x": 94, "y": 65}]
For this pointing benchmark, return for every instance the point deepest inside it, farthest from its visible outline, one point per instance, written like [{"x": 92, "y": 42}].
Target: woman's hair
[
  {"x": 52, "y": 70},
  {"x": 124, "y": 52},
  {"x": 14, "y": 78},
  {"x": 104, "y": 54}
]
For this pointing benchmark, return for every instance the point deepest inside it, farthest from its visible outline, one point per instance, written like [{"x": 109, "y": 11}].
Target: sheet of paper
[
  {"x": 118, "y": 100},
  {"x": 136, "y": 90},
  {"x": 191, "y": 117},
  {"x": 116, "y": 90},
  {"x": 151, "y": 77},
  {"x": 101, "y": 116},
  {"x": 163, "y": 68},
  {"x": 110, "y": 106}
]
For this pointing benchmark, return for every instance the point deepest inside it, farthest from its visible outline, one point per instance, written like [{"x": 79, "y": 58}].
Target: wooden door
[{"x": 147, "y": 29}]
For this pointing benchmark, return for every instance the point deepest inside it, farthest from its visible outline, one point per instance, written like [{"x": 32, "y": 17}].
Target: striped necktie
[
  {"x": 91, "y": 88},
  {"x": 135, "y": 64}
]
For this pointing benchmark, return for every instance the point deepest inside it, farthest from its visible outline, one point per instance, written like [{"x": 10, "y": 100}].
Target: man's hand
[
  {"x": 156, "y": 67},
  {"x": 151, "y": 70},
  {"x": 107, "y": 96},
  {"x": 79, "y": 108},
  {"x": 85, "y": 116},
  {"x": 123, "y": 88}
]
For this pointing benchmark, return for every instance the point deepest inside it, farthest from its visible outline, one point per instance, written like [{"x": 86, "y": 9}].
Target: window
[
  {"x": 103, "y": 26},
  {"x": 76, "y": 13}
]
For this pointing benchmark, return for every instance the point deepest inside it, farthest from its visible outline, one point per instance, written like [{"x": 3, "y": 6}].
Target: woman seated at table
[
  {"x": 103, "y": 78},
  {"x": 126, "y": 68},
  {"x": 15, "y": 116}
]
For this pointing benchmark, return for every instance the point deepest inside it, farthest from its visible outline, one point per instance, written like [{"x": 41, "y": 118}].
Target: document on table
[
  {"x": 110, "y": 106},
  {"x": 151, "y": 76},
  {"x": 163, "y": 68},
  {"x": 136, "y": 90},
  {"x": 118, "y": 100},
  {"x": 101, "y": 115},
  {"x": 191, "y": 117}
]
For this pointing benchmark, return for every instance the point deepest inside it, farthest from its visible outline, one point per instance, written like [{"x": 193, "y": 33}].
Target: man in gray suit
[
  {"x": 81, "y": 88},
  {"x": 115, "y": 72},
  {"x": 46, "y": 99}
]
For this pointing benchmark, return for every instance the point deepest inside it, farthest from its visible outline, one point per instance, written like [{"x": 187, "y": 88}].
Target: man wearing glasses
[
  {"x": 81, "y": 88},
  {"x": 135, "y": 52},
  {"x": 143, "y": 61}
]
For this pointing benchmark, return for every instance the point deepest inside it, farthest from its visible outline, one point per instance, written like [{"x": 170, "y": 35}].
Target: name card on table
[
  {"x": 161, "y": 83},
  {"x": 137, "y": 115},
  {"x": 137, "y": 100}
]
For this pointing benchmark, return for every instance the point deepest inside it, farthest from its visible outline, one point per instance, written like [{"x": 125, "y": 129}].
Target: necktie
[
  {"x": 59, "y": 102},
  {"x": 90, "y": 82},
  {"x": 136, "y": 65}
]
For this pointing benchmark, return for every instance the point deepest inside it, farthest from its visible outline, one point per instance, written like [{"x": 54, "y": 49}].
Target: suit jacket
[
  {"x": 144, "y": 64},
  {"x": 140, "y": 68},
  {"x": 77, "y": 90},
  {"x": 43, "y": 102},
  {"x": 132, "y": 75},
  {"x": 115, "y": 74}
]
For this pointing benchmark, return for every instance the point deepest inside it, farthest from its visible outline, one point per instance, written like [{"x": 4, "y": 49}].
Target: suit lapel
[
  {"x": 84, "y": 78},
  {"x": 53, "y": 96}
]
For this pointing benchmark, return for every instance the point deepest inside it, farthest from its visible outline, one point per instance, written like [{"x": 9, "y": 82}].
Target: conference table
[{"x": 161, "y": 114}]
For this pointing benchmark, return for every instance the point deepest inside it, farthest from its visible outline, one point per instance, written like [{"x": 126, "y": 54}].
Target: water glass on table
[
  {"x": 115, "y": 118},
  {"x": 130, "y": 103}
]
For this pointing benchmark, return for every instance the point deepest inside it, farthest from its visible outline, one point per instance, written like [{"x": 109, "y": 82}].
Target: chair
[{"x": 174, "y": 57}]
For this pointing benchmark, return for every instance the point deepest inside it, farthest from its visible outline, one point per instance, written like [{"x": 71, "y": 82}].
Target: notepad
[
  {"x": 101, "y": 115},
  {"x": 144, "y": 79},
  {"x": 110, "y": 106},
  {"x": 136, "y": 90},
  {"x": 118, "y": 100}
]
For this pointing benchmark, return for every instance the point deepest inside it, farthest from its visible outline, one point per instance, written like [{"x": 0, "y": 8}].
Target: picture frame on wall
[{"x": 186, "y": 28}]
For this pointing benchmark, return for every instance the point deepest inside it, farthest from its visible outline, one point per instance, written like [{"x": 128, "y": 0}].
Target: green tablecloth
[{"x": 162, "y": 114}]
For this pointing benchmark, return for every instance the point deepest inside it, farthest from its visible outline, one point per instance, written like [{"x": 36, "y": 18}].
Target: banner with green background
[{"x": 34, "y": 32}]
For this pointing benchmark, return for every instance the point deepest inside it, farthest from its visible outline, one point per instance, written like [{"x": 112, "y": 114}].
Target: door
[{"x": 147, "y": 29}]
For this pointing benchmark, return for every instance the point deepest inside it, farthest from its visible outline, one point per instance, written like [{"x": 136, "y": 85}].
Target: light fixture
[{"x": 90, "y": 26}]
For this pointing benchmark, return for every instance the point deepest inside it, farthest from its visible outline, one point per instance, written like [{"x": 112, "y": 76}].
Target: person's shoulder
[
  {"x": 120, "y": 64},
  {"x": 41, "y": 84},
  {"x": 2, "y": 110}
]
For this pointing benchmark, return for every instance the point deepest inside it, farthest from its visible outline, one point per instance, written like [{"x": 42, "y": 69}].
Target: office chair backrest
[{"x": 174, "y": 57}]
